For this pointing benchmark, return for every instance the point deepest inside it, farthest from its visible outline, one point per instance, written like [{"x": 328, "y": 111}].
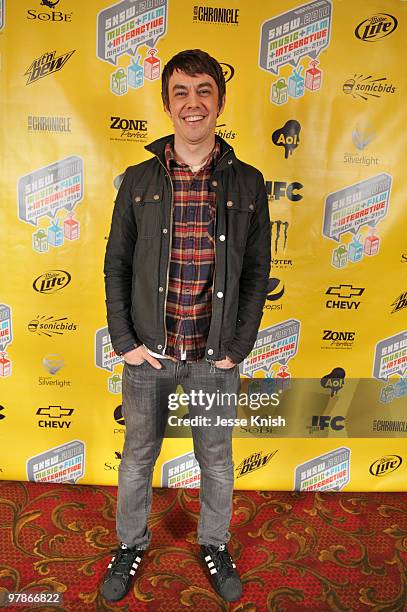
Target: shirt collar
[{"x": 210, "y": 162}]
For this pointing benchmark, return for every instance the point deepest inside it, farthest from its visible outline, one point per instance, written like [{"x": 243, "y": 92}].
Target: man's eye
[
  {"x": 180, "y": 93},
  {"x": 204, "y": 91}
]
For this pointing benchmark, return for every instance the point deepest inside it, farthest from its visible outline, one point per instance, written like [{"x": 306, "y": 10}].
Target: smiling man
[{"x": 186, "y": 274}]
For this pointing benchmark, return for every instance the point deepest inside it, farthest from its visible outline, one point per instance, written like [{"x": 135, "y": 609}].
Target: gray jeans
[{"x": 145, "y": 410}]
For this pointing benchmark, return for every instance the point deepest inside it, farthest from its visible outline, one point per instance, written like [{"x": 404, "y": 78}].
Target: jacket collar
[{"x": 226, "y": 151}]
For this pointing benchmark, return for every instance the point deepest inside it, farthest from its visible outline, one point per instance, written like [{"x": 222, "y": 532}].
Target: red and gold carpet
[{"x": 295, "y": 551}]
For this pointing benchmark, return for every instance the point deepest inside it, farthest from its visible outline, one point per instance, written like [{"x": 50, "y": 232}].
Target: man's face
[{"x": 193, "y": 106}]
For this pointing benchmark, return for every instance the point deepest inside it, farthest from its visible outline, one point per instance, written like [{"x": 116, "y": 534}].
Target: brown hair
[{"x": 192, "y": 62}]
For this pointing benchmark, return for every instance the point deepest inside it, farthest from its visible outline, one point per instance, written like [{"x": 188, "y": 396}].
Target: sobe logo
[
  {"x": 376, "y": 27},
  {"x": 52, "y": 281},
  {"x": 52, "y": 15}
]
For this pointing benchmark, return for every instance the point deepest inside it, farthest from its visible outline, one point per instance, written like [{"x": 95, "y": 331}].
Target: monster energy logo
[{"x": 279, "y": 232}]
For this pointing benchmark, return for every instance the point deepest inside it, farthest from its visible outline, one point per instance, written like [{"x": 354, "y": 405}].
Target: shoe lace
[
  {"x": 123, "y": 560},
  {"x": 223, "y": 561}
]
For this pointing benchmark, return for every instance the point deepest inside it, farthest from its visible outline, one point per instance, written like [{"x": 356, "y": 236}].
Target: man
[{"x": 186, "y": 271}]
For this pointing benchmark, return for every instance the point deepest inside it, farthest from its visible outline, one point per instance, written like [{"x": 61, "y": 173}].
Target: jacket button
[
  {"x": 210, "y": 351},
  {"x": 251, "y": 206},
  {"x": 229, "y": 203},
  {"x": 160, "y": 289},
  {"x": 222, "y": 237},
  {"x": 214, "y": 183},
  {"x": 159, "y": 346},
  {"x": 230, "y": 161},
  {"x": 219, "y": 294},
  {"x": 137, "y": 199},
  {"x": 156, "y": 196},
  {"x": 165, "y": 230}
]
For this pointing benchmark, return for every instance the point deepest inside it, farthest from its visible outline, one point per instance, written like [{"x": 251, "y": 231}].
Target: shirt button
[
  {"x": 156, "y": 196},
  {"x": 160, "y": 289},
  {"x": 165, "y": 230},
  {"x": 219, "y": 294},
  {"x": 222, "y": 238},
  {"x": 229, "y": 203},
  {"x": 159, "y": 346},
  {"x": 214, "y": 183},
  {"x": 251, "y": 206},
  {"x": 137, "y": 199},
  {"x": 210, "y": 351}
]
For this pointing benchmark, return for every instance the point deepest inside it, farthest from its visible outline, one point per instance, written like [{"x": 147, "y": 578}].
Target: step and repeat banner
[{"x": 315, "y": 100}]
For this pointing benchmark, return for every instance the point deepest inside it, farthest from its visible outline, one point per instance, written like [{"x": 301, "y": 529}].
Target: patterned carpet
[{"x": 295, "y": 551}]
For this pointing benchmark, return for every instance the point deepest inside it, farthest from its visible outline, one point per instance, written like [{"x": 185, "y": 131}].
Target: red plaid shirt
[{"x": 192, "y": 258}]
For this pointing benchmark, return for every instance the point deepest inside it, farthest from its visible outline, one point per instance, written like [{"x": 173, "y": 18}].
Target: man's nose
[{"x": 193, "y": 100}]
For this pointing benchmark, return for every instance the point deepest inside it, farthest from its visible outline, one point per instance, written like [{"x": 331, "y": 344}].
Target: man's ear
[
  {"x": 222, "y": 106},
  {"x": 167, "y": 111}
]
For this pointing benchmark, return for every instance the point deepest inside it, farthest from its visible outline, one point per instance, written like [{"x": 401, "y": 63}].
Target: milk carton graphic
[
  {"x": 372, "y": 243},
  {"x": 135, "y": 74},
  {"x": 355, "y": 252},
  {"x": 40, "y": 241},
  {"x": 55, "y": 234},
  {"x": 152, "y": 66},
  {"x": 5, "y": 365},
  {"x": 340, "y": 256},
  {"x": 313, "y": 76},
  {"x": 296, "y": 84},
  {"x": 118, "y": 82},
  {"x": 71, "y": 227},
  {"x": 279, "y": 91}
]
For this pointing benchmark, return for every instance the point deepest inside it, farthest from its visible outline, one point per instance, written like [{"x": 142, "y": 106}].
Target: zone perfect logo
[
  {"x": 346, "y": 293},
  {"x": 338, "y": 339},
  {"x": 130, "y": 129},
  {"x": 52, "y": 281},
  {"x": 376, "y": 27},
  {"x": 46, "y": 64}
]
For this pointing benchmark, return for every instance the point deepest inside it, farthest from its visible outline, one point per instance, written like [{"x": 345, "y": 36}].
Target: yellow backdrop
[{"x": 314, "y": 100}]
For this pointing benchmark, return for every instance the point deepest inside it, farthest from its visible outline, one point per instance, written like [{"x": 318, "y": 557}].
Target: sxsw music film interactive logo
[
  {"x": 334, "y": 381},
  {"x": 215, "y": 15},
  {"x": 253, "y": 462},
  {"x": 52, "y": 281},
  {"x": 366, "y": 87},
  {"x": 51, "y": 326},
  {"x": 128, "y": 130},
  {"x": 288, "y": 137},
  {"x": 46, "y": 64},
  {"x": 400, "y": 303},
  {"x": 376, "y": 27},
  {"x": 50, "y": 15},
  {"x": 385, "y": 465},
  {"x": 344, "y": 295}
]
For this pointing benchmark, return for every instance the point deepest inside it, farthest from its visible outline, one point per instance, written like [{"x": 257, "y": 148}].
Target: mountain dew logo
[{"x": 47, "y": 64}]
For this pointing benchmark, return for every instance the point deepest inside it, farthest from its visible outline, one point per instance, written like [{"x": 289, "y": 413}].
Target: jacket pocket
[
  {"x": 239, "y": 211},
  {"x": 147, "y": 211}
]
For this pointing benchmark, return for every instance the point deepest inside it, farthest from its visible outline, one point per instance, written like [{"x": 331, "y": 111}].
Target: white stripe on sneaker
[
  {"x": 138, "y": 559},
  {"x": 211, "y": 564},
  {"x": 214, "y": 571},
  {"x": 208, "y": 558},
  {"x": 132, "y": 572}
]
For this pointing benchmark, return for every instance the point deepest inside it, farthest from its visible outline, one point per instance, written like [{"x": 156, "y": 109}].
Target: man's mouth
[{"x": 193, "y": 118}]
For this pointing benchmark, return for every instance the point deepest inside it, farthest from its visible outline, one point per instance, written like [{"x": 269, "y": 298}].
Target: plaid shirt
[{"x": 192, "y": 258}]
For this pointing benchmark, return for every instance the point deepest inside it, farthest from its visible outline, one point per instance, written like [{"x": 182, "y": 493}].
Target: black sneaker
[
  {"x": 120, "y": 572},
  {"x": 222, "y": 570}
]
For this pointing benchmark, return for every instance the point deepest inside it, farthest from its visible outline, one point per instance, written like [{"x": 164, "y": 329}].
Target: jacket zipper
[
  {"x": 169, "y": 251},
  {"x": 212, "y": 361}
]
